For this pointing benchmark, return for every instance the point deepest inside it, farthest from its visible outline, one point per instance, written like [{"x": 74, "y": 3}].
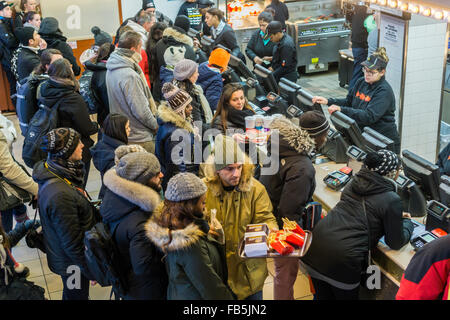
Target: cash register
[{"x": 438, "y": 216}]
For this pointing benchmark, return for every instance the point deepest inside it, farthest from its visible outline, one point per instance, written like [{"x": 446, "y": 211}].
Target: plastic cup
[
  {"x": 259, "y": 122},
  {"x": 250, "y": 122}
]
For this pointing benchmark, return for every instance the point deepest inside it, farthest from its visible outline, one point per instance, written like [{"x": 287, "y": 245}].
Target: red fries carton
[{"x": 292, "y": 226}]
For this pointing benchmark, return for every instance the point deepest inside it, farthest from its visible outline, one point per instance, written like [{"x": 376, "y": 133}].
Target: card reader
[
  {"x": 336, "y": 180},
  {"x": 421, "y": 240}
]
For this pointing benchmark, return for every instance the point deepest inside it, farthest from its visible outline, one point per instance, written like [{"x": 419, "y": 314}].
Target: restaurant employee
[
  {"x": 284, "y": 58},
  {"x": 371, "y": 102}
]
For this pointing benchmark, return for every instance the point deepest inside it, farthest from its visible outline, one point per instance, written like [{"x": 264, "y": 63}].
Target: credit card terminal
[
  {"x": 421, "y": 240},
  {"x": 336, "y": 180}
]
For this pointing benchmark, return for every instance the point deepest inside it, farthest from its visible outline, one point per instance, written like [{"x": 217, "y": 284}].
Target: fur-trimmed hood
[
  {"x": 166, "y": 114},
  {"x": 212, "y": 180},
  {"x": 177, "y": 36},
  {"x": 141, "y": 195},
  {"x": 181, "y": 239},
  {"x": 292, "y": 137}
]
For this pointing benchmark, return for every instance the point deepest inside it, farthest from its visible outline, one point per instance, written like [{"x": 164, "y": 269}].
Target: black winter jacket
[
  {"x": 256, "y": 47},
  {"x": 292, "y": 187},
  {"x": 359, "y": 32},
  {"x": 8, "y": 41},
  {"x": 128, "y": 205},
  {"x": 284, "y": 59},
  {"x": 65, "y": 216},
  {"x": 103, "y": 157},
  {"x": 26, "y": 62},
  {"x": 98, "y": 86},
  {"x": 372, "y": 105},
  {"x": 227, "y": 38},
  {"x": 73, "y": 112},
  {"x": 341, "y": 239},
  {"x": 58, "y": 41}
]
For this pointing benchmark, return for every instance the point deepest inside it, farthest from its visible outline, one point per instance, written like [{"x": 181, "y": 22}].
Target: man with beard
[{"x": 133, "y": 192}]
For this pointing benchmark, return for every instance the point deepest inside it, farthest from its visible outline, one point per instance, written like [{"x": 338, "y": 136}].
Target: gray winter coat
[{"x": 129, "y": 95}]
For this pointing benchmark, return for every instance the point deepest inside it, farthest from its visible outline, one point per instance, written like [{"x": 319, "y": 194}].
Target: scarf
[
  {"x": 215, "y": 32},
  {"x": 34, "y": 49},
  {"x": 262, "y": 34},
  {"x": 73, "y": 171},
  {"x": 135, "y": 58}
]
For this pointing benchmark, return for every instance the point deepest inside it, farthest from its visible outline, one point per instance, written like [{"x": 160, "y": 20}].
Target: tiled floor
[{"x": 318, "y": 84}]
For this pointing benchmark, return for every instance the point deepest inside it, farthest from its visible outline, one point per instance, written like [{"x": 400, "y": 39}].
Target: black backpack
[
  {"x": 103, "y": 258},
  {"x": 27, "y": 102},
  {"x": 86, "y": 91},
  {"x": 43, "y": 121}
]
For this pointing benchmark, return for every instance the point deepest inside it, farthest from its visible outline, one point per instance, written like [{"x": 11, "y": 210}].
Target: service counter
[{"x": 391, "y": 262}]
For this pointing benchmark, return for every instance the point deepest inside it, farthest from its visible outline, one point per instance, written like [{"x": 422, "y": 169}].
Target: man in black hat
[
  {"x": 148, "y": 6},
  {"x": 8, "y": 43},
  {"x": 31, "y": 45},
  {"x": 284, "y": 58}
]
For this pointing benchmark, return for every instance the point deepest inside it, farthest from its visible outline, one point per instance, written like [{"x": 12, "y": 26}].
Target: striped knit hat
[
  {"x": 314, "y": 122},
  {"x": 177, "y": 98}
]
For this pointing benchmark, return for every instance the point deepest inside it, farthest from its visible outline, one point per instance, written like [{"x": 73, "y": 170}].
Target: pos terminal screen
[
  {"x": 428, "y": 237},
  {"x": 437, "y": 209}
]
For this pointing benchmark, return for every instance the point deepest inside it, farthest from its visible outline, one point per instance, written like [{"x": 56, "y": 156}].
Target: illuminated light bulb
[
  {"x": 393, "y": 4},
  {"x": 427, "y": 12},
  {"x": 413, "y": 8},
  {"x": 404, "y": 7},
  {"x": 439, "y": 15},
  {"x": 382, "y": 2},
  {"x": 373, "y": 1}
]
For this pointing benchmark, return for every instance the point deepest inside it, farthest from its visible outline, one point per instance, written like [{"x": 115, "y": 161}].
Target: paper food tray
[{"x": 297, "y": 253}]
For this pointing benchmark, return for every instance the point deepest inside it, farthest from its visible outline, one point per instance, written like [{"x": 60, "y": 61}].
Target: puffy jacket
[
  {"x": 341, "y": 239},
  {"x": 427, "y": 276},
  {"x": 372, "y": 105},
  {"x": 129, "y": 95},
  {"x": 28, "y": 59},
  {"x": 58, "y": 41},
  {"x": 8, "y": 41},
  {"x": 292, "y": 187},
  {"x": 98, "y": 86},
  {"x": 65, "y": 216},
  {"x": 195, "y": 262},
  {"x": 11, "y": 170},
  {"x": 169, "y": 122},
  {"x": 128, "y": 205},
  {"x": 72, "y": 113},
  {"x": 211, "y": 83},
  {"x": 173, "y": 47},
  {"x": 248, "y": 203},
  {"x": 165, "y": 75},
  {"x": 103, "y": 157}
]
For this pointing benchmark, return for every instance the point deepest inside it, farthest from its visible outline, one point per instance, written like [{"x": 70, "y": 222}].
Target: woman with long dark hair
[
  {"x": 232, "y": 109},
  {"x": 116, "y": 129},
  {"x": 195, "y": 260},
  {"x": 62, "y": 89}
]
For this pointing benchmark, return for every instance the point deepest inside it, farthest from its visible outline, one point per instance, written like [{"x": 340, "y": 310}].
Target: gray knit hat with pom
[
  {"x": 184, "y": 69},
  {"x": 184, "y": 186},
  {"x": 100, "y": 36},
  {"x": 138, "y": 166}
]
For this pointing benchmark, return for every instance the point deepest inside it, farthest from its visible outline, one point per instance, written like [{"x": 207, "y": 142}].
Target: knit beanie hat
[
  {"x": 177, "y": 98},
  {"x": 184, "y": 69},
  {"x": 100, "y": 36},
  {"x": 182, "y": 24},
  {"x": 126, "y": 149},
  {"x": 138, "y": 166},
  {"x": 219, "y": 57},
  {"x": 382, "y": 161},
  {"x": 184, "y": 186},
  {"x": 61, "y": 142},
  {"x": 147, "y": 4},
  {"x": 314, "y": 122},
  {"x": 227, "y": 152},
  {"x": 24, "y": 34},
  {"x": 49, "y": 25}
]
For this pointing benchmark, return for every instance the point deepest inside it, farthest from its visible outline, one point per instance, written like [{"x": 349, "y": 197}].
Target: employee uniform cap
[
  {"x": 273, "y": 28},
  {"x": 4, "y": 4},
  {"x": 374, "y": 63}
]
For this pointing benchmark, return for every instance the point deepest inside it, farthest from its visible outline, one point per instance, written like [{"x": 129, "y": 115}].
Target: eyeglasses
[{"x": 370, "y": 72}]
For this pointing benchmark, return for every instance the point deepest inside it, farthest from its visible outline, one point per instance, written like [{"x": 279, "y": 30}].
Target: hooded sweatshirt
[{"x": 129, "y": 95}]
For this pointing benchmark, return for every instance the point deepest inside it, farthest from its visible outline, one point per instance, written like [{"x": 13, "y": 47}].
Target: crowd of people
[{"x": 177, "y": 220}]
